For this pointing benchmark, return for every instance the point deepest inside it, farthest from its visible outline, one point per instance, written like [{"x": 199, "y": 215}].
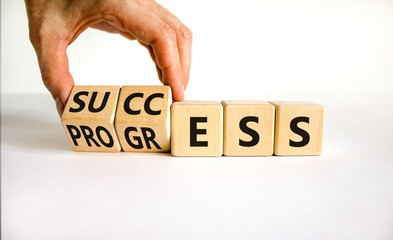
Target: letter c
[
  {"x": 148, "y": 101},
  {"x": 127, "y": 108}
]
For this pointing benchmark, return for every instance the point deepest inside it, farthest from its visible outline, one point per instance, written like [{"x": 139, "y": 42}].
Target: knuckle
[
  {"x": 34, "y": 38},
  {"x": 38, "y": 36},
  {"x": 168, "y": 33},
  {"x": 53, "y": 80},
  {"x": 35, "y": 34},
  {"x": 48, "y": 78},
  {"x": 49, "y": 81},
  {"x": 186, "y": 33}
]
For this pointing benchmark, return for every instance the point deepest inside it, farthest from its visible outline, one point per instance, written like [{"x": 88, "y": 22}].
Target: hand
[{"x": 55, "y": 24}]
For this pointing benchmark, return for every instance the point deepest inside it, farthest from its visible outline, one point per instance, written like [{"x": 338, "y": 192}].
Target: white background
[{"x": 335, "y": 53}]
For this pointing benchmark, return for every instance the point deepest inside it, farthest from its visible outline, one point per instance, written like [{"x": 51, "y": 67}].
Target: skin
[{"x": 55, "y": 24}]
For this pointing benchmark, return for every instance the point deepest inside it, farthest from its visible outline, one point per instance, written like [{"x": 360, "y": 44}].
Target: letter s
[
  {"x": 254, "y": 134},
  {"x": 304, "y": 134}
]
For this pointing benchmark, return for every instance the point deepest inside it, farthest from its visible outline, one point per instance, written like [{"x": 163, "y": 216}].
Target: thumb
[{"x": 53, "y": 61}]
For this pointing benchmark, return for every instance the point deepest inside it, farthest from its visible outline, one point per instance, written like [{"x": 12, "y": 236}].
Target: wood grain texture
[
  {"x": 143, "y": 118},
  {"x": 197, "y": 128},
  {"x": 254, "y": 117},
  {"x": 299, "y": 128},
  {"x": 88, "y": 118}
]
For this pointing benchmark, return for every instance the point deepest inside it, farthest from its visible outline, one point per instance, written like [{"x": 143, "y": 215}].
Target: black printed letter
[
  {"x": 147, "y": 103},
  {"x": 126, "y": 106},
  {"x": 149, "y": 139},
  {"x": 103, "y": 104},
  {"x": 194, "y": 131},
  {"x": 75, "y": 136},
  {"x": 138, "y": 139},
  {"x": 299, "y": 131},
  {"x": 98, "y": 133},
  {"x": 254, "y": 134}
]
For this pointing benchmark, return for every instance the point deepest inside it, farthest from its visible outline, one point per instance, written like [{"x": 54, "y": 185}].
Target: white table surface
[{"x": 51, "y": 192}]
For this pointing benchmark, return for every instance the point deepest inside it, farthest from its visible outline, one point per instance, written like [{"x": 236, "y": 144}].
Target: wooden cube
[
  {"x": 143, "y": 118},
  {"x": 88, "y": 118},
  {"x": 197, "y": 128},
  {"x": 298, "y": 128},
  {"x": 248, "y": 128}
]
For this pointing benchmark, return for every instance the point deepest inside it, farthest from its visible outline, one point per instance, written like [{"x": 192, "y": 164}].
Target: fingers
[
  {"x": 153, "y": 57},
  {"x": 184, "y": 38},
  {"x": 53, "y": 61},
  {"x": 185, "y": 52},
  {"x": 167, "y": 57},
  {"x": 149, "y": 29}
]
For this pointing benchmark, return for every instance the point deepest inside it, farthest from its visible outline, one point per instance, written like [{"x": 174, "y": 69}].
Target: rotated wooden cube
[
  {"x": 248, "y": 128},
  {"x": 298, "y": 128},
  {"x": 143, "y": 118},
  {"x": 88, "y": 118},
  {"x": 196, "y": 128}
]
